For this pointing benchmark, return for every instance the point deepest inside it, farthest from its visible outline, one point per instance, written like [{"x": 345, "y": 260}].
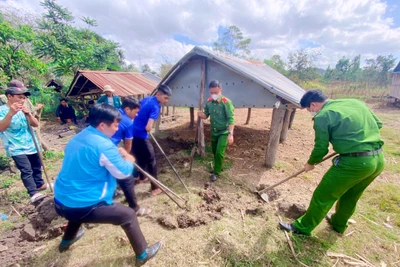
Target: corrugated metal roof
[
  {"x": 259, "y": 72},
  {"x": 124, "y": 83},
  {"x": 397, "y": 69}
]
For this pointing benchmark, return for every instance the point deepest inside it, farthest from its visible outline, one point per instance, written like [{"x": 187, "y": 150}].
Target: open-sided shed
[
  {"x": 91, "y": 83},
  {"x": 248, "y": 83},
  {"x": 395, "y": 89}
]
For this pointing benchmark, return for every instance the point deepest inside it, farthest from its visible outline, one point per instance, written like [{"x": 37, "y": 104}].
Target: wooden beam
[
  {"x": 292, "y": 118},
  {"x": 273, "y": 136},
  {"x": 285, "y": 126},
  {"x": 162, "y": 111},
  {"x": 248, "y": 116},
  {"x": 167, "y": 111},
  {"x": 173, "y": 110},
  {"x": 200, "y": 124},
  {"x": 191, "y": 125}
]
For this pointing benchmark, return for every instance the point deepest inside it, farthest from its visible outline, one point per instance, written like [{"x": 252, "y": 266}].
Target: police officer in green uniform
[
  {"x": 354, "y": 132},
  {"x": 220, "y": 111}
]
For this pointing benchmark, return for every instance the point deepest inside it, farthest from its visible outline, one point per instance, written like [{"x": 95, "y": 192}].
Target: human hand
[
  {"x": 230, "y": 139},
  {"x": 14, "y": 108},
  {"x": 25, "y": 110},
  {"x": 201, "y": 114},
  {"x": 125, "y": 155},
  {"x": 308, "y": 167}
]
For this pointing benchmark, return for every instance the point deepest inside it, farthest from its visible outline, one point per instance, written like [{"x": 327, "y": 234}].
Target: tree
[
  {"x": 146, "y": 68},
  {"x": 68, "y": 49},
  {"x": 301, "y": 65},
  {"x": 90, "y": 22},
  {"x": 232, "y": 42},
  {"x": 378, "y": 70},
  {"x": 16, "y": 60},
  {"x": 165, "y": 68},
  {"x": 277, "y": 63}
]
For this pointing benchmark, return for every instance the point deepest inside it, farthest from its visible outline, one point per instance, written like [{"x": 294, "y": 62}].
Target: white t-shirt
[{"x": 110, "y": 101}]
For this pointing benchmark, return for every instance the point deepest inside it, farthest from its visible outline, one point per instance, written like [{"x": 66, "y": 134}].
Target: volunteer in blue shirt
[
  {"x": 86, "y": 183},
  {"x": 129, "y": 110},
  {"x": 142, "y": 148}
]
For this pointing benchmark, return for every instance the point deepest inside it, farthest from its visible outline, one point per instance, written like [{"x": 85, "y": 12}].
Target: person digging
[
  {"x": 142, "y": 148},
  {"x": 354, "y": 132},
  {"x": 129, "y": 110},
  {"x": 86, "y": 183},
  {"x": 17, "y": 139},
  {"x": 221, "y": 112}
]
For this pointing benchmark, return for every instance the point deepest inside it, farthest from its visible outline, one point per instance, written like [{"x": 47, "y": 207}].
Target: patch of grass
[
  {"x": 6, "y": 182},
  {"x": 15, "y": 196},
  {"x": 53, "y": 155},
  {"x": 280, "y": 165},
  {"x": 4, "y": 162},
  {"x": 5, "y": 226},
  {"x": 208, "y": 159}
]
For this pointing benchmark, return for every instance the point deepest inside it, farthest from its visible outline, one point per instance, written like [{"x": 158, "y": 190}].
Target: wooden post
[
  {"x": 273, "y": 136},
  {"x": 292, "y": 118},
  {"x": 191, "y": 125},
  {"x": 167, "y": 111},
  {"x": 157, "y": 124},
  {"x": 162, "y": 111},
  {"x": 248, "y": 116},
  {"x": 200, "y": 125},
  {"x": 285, "y": 126},
  {"x": 173, "y": 110}
]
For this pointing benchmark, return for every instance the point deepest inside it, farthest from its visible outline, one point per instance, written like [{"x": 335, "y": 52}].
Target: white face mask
[
  {"x": 214, "y": 96},
  {"x": 313, "y": 113}
]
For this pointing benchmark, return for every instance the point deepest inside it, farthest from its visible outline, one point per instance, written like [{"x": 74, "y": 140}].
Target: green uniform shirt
[
  {"x": 221, "y": 114},
  {"x": 349, "y": 125}
]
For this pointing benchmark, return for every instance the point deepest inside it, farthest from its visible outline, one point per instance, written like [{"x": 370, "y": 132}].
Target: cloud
[{"x": 146, "y": 29}]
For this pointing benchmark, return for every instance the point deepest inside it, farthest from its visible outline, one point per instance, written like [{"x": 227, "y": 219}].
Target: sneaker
[
  {"x": 214, "y": 177},
  {"x": 150, "y": 253},
  {"x": 64, "y": 245},
  {"x": 36, "y": 197},
  {"x": 288, "y": 227}
]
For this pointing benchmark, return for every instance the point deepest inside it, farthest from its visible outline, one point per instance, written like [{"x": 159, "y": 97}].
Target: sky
[{"x": 158, "y": 31}]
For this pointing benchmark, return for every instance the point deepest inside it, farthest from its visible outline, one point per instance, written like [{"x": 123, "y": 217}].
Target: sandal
[
  {"x": 143, "y": 212},
  {"x": 142, "y": 181}
]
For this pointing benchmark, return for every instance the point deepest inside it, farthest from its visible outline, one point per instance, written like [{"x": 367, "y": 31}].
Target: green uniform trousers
[
  {"x": 218, "y": 146},
  {"x": 344, "y": 182}
]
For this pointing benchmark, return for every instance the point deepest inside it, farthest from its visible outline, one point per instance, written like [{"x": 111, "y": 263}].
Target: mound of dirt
[
  {"x": 292, "y": 211},
  {"x": 209, "y": 209}
]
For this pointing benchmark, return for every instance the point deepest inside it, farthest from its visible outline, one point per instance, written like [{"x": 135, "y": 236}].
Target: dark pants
[
  {"x": 31, "y": 171},
  {"x": 127, "y": 186},
  {"x": 143, "y": 151},
  {"x": 71, "y": 116},
  {"x": 116, "y": 214}
]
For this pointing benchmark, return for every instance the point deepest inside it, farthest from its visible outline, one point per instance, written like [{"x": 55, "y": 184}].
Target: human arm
[
  {"x": 321, "y": 141},
  {"x": 29, "y": 116},
  {"x": 101, "y": 100},
  {"x": 119, "y": 163},
  {"x": 154, "y": 113},
  {"x": 204, "y": 115},
  {"x": 58, "y": 111},
  {"x": 378, "y": 121}
]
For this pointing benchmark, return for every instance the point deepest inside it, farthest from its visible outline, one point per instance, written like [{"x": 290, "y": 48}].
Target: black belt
[{"x": 362, "y": 154}]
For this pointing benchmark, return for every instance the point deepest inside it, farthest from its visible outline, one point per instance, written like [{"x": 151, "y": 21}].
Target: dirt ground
[{"x": 222, "y": 220}]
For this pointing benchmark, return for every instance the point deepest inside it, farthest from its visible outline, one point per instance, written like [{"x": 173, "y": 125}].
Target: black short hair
[
  {"x": 130, "y": 102},
  {"x": 91, "y": 102},
  {"x": 165, "y": 90},
  {"x": 214, "y": 83},
  {"x": 313, "y": 95},
  {"x": 103, "y": 113},
  {"x": 63, "y": 99}
]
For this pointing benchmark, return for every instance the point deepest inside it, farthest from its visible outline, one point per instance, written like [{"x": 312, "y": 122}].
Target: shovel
[
  {"x": 169, "y": 162},
  {"x": 263, "y": 193},
  {"x": 39, "y": 153}
]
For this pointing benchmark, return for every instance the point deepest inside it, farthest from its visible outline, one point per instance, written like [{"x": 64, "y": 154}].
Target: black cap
[{"x": 16, "y": 87}]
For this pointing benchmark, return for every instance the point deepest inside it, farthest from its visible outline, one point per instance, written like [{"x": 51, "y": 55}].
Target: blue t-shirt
[
  {"x": 89, "y": 169},
  {"x": 17, "y": 139},
  {"x": 125, "y": 129},
  {"x": 149, "y": 109}
]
